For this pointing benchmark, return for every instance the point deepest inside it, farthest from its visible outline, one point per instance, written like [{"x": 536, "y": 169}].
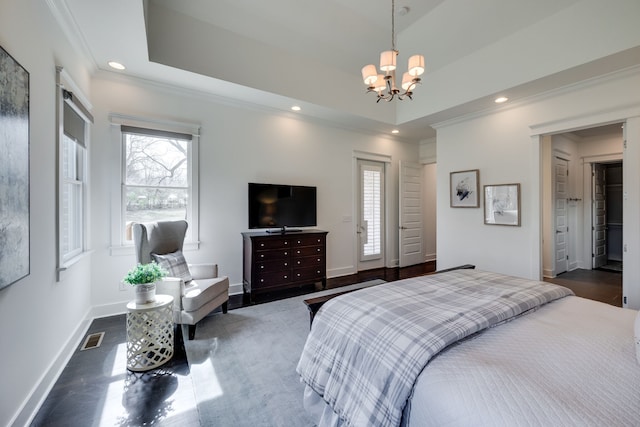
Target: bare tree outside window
[{"x": 156, "y": 181}]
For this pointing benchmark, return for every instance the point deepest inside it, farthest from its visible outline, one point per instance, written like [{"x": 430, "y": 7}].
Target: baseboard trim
[
  {"x": 236, "y": 289},
  {"x": 43, "y": 387}
]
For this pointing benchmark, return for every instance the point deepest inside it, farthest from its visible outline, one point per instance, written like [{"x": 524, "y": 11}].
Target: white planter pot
[{"x": 145, "y": 293}]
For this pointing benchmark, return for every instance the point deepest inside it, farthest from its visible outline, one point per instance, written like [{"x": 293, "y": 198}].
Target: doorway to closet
[
  {"x": 606, "y": 214},
  {"x": 583, "y": 205}
]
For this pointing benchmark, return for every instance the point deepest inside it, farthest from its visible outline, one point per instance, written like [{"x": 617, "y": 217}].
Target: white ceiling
[{"x": 282, "y": 52}]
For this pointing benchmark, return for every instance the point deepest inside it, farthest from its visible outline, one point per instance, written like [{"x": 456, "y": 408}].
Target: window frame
[
  {"x": 69, "y": 95},
  {"x": 119, "y": 245}
]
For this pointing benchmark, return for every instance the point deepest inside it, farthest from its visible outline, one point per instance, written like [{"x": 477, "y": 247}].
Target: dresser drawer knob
[
  {"x": 261, "y": 280},
  {"x": 286, "y": 277},
  {"x": 318, "y": 259},
  {"x": 286, "y": 243},
  {"x": 261, "y": 255},
  {"x": 299, "y": 242},
  {"x": 285, "y": 264},
  {"x": 262, "y": 245},
  {"x": 286, "y": 253},
  {"x": 262, "y": 266},
  {"x": 298, "y": 274},
  {"x": 298, "y": 262}
]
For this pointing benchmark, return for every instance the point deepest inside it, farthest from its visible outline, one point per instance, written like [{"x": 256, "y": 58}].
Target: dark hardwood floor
[
  {"x": 96, "y": 389},
  {"x": 386, "y": 274},
  {"x": 599, "y": 285}
]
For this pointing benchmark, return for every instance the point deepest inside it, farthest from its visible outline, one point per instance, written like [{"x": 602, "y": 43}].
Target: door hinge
[
  {"x": 567, "y": 257},
  {"x": 625, "y": 299},
  {"x": 593, "y": 255}
]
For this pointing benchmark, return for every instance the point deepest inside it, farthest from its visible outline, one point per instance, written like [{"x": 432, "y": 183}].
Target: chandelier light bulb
[
  {"x": 388, "y": 60},
  {"x": 416, "y": 65},
  {"x": 407, "y": 81},
  {"x": 369, "y": 74},
  {"x": 380, "y": 84}
]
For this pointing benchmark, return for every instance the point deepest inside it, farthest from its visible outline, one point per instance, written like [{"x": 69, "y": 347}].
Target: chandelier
[{"x": 384, "y": 85}]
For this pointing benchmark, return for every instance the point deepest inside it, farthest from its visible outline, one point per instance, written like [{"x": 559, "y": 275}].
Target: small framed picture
[
  {"x": 464, "y": 189},
  {"x": 502, "y": 204}
]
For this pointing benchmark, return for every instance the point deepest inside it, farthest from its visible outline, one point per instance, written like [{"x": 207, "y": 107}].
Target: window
[
  {"x": 72, "y": 201},
  {"x": 158, "y": 179},
  {"x": 372, "y": 211},
  {"x": 73, "y": 143}
]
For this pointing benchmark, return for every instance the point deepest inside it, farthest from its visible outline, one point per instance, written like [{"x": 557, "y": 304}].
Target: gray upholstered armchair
[{"x": 196, "y": 288}]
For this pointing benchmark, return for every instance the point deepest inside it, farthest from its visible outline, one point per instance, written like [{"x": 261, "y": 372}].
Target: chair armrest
[
  {"x": 173, "y": 286},
  {"x": 203, "y": 271}
]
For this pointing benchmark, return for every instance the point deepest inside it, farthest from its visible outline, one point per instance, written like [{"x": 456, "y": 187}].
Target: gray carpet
[{"x": 243, "y": 364}]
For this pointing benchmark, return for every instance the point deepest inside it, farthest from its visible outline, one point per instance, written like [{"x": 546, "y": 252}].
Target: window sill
[{"x": 61, "y": 270}]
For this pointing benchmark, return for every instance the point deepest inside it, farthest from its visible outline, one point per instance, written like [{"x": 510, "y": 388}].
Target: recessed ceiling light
[
  {"x": 501, "y": 99},
  {"x": 395, "y": 131},
  {"x": 296, "y": 108},
  {"x": 116, "y": 65}
]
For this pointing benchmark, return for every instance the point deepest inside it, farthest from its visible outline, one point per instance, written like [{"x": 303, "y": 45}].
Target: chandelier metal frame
[{"x": 385, "y": 85}]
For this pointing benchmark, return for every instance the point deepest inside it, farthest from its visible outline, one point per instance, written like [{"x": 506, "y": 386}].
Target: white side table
[{"x": 149, "y": 333}]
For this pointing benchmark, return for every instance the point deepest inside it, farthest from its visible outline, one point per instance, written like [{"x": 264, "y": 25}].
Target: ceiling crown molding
[{"x": 63, "y": 16}]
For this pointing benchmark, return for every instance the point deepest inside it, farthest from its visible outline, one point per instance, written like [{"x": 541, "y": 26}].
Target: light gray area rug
[{"x": 243, "y": 363}]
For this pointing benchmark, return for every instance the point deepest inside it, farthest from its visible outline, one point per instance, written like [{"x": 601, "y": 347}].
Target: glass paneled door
[{"x": 370, "y": 227}]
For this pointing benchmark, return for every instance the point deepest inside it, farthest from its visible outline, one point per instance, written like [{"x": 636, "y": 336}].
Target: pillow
[
  {"x": 175, "y": 264},
  {"x": 637, "y": 336}
]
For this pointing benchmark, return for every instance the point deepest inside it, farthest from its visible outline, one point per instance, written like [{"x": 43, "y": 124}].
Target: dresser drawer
[
  {"x": 308, "y": 240},
  {"x": 271, "y": 243},
  {"x": 272, "y": 254},
  {"x": 309, "y": 273},
  {"x": 277, "y": 265},
  {"x": 308, "y": 251},
  {"x": 308, "y": 261},
  {"x": 271, "y": 279}
]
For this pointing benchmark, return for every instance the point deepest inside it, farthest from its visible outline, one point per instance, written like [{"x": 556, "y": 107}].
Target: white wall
[
  {"x": 505, "y": 146},
  {"x": 237, "y": 145},
  {"x": 429, "y": 209},
  {"x": 429, "y": 157},
  {"x": 39, "y": 317}
]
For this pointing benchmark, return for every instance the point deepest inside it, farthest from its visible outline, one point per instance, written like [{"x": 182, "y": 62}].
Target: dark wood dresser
[{"x": 274, "y": 261}]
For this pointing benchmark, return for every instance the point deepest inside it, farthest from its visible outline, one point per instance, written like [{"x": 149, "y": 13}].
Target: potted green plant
[{"x": 144, "y": 277}]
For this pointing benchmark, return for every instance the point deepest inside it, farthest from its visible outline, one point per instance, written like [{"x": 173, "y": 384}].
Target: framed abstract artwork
[
  {"x": 464, "y": 189},
  {"x": 502, "y": 204},
  {"x": 14, "y": 171}
]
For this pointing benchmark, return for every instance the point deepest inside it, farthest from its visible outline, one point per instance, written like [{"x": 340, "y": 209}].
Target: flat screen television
[{"x": 281, "y": 206}]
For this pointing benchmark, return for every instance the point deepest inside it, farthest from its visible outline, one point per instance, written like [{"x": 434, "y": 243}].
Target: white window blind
[{"x": 372, "y": 215}]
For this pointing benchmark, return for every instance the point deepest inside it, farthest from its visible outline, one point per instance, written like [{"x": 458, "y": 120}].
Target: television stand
[{"x": 277, "y": 261}]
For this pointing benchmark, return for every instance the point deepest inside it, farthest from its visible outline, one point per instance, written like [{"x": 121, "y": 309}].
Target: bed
[{"x": 469, "y": 347}]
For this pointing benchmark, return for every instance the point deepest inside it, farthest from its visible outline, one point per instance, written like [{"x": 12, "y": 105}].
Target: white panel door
[
  {"x": 561, "y": 218},
  {"x": 410, "y": 233},
  {"x": 371, "y": 220},
  {"x": 598, "y": 215}
]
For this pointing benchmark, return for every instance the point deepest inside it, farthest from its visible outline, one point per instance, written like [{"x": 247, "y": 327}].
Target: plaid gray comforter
[{"x": 367, "y": 348}]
